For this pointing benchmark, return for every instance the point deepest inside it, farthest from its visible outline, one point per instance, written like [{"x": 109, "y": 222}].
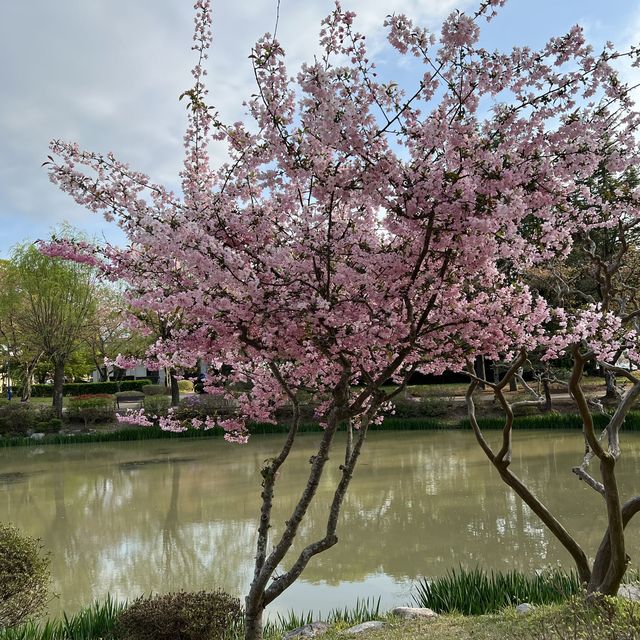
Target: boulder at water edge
[
  {"x": 414, "y": 612},
  {"x": 312, "y": 630},
  {"x": 364, "y": 626}
]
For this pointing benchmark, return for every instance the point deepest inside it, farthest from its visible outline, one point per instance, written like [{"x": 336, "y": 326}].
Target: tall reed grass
[
  {"x": 478, "y": 592},
  {"x": 391, "y": 423},
  {"x": 95, "y": 622}
]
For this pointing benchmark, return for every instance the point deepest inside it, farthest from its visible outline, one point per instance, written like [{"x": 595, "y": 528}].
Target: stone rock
[
  {"x": 524, "y": 608},
  {"x": 364, "y": 626},
  {"x": 37, "y": 436},
  {"x": 414, "y": 612},
  {"x": 312, "y": 630},
  {"x": 630, "y": 591}
]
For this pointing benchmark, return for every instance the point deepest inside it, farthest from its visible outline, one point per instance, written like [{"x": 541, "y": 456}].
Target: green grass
[
  {"x": 617, "y": 620},
  {"x": 614, "y": 619},
  {"x": 98, "y": 622},
  {"x": 95, "y": 622},
  {"x": 553, "y": 421},
  {"x": 478, "y": 592},
  {"x": 391, "y": 423}
]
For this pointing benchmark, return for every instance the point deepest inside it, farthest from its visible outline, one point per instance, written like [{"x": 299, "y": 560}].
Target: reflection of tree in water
[
  {"x": 434, "y": 504},
  {"x": 419, "y": 504}
]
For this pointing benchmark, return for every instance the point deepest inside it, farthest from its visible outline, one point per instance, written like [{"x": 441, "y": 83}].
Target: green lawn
[{"x": 618, "y": 620}]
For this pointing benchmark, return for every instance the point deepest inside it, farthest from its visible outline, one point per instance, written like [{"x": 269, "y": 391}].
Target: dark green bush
[
  {"x": 156, "y": 390},
  {"x": 91, "y": 408},
  {"x": 24, "y": 577},
  {"x": 80, "y": 388},
  {"x": 180, "y": 616},
  {"x": 16, "y": 418}
]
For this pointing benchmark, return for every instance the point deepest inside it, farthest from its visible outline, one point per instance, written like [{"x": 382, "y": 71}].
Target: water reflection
[{"x": 133, "y": 518}]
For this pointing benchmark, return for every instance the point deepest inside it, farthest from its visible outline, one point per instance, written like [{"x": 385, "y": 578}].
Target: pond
[{"x": 154, "y": 516}]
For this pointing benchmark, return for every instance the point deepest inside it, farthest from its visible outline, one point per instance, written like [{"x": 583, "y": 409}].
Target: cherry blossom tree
[
  {"x": 599, "y": 328},
  {"x": 356, "y": 233}
]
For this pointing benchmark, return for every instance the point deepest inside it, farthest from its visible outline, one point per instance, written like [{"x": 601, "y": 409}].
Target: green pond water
[{"x": 140, "y": 517}]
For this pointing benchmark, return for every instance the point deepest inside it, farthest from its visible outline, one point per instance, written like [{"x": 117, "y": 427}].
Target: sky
[{"x": 107, "y": 74}]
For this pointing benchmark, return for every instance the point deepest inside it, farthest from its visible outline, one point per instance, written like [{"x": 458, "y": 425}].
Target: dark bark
[
  {"x": 175, "y": 390},
  {"x": 58, "y": 382},
  {"x": 548, "y": 405},
  {"x": 603, "y": 556},
  {"x": 611, "y": 392},
  {"x": 253, "y": 620},
  {"x": 480, "y": 370}
]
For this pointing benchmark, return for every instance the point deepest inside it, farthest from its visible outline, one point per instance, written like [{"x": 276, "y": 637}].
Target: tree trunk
[
  {"x": 26, "y": 387},
  {"x": 610, "y": 383},
  {"x": 28, "y": 378},
  {"x": 480, "y": 370},
  {"x": 513, "y": 383},
  {"x": 175, "y": 389},
  {"x": 58, "y": 382},
  {"x": 547, "y": 406},
  {"x": 253, "y": 620}
]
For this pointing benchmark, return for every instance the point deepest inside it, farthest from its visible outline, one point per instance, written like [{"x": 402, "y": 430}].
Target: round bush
[
  {"x": 24, "y": 577},
  {"x": 180, "y": 616},
  {"x": 185, "y": 386}
]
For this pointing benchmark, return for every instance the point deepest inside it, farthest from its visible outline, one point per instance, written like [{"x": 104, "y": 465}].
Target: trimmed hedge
[{"x": 82, "y": 388}]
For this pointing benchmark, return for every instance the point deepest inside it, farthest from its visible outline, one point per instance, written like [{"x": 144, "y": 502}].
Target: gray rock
[
  {"x": 364, "y": 626},
  {"x": 37, "y": 436},
  {"x": 630, "y": 591},
  {"x": 312, "y": 630},
  {"x": 414, "y": 612},
  {"x": 524, "y": 608}
]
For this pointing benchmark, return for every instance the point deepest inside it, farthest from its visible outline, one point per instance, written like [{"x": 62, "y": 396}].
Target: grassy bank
[
  {"x": 616, "y": 620},
  {"x": 392, "y": 423}
]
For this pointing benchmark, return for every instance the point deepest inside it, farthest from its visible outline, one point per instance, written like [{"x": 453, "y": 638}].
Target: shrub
[
  {"x": 78, "y": 388},
  {"x": 24, "y": 577},
  {"x": 157, "y": 405},
  {"x": 129, "y": 394},
  {"x": 91, "y": 408},
  {"x": 16, "y": 418},
  {"x": 156, "y": 390},
  {"x": 180, "y": 616},
  {"x": 185, "y": 385},
  {"x": 202, "y": 406},
  {"x": 477, "y": 592}
]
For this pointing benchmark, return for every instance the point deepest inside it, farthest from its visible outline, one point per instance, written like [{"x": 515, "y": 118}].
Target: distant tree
[
  {"x": 22, "y": 355},
  {"x": 54, "y": 302},
  {"x": 110, "y": 333}
]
